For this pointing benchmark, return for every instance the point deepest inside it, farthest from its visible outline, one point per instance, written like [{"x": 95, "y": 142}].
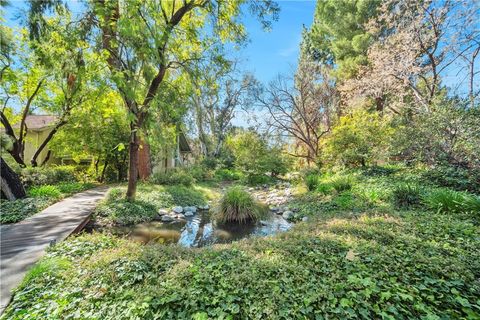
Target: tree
[
  {"x": 98, "y": 129},
  {"x": 416, "y": 44},
  {"x": 145, "y": 40},
  {"x": 55, "y": 77},
  {"x": 220, "y": 90},
  {"x": 360, "y": 138},
  {"x": 10, "y": 184},
  {"x": 338, "y": 36},
  {"x": 254, "y": 156},
  {"x": 302, "y": 107}
]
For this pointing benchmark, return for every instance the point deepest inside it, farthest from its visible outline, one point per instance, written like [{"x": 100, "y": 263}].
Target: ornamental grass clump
[
  {"x": 342, "y": 183},
  {"x": 311, "y": 181},
  {"x": 450, "y": 201},
  {"x": 238, "y": 206},
  {"x": 406, "y": 196}
]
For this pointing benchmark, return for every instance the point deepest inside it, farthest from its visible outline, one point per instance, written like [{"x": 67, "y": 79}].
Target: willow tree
[{"x": 146, "y": 39}]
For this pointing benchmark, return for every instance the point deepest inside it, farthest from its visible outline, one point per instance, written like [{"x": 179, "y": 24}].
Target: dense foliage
[
  {"x": 255, "y": 157},
  {"x": 353, "y": 259}
]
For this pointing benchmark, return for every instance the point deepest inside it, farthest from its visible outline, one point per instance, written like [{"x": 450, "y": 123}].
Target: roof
[
  {"x": 37, "y": 122},
  {"x": 183, "y": 143}
]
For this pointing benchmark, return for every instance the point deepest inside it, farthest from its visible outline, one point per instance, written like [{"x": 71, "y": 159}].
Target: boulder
[
  {"x": 162, "y": 212},
  {"x": 191, "y": 209},
  {"x": 205, "y": 207},
  {"x": 177, "y": 209},
  {"x": 180, "y": 216},
  {"x": 167, "y": 218},
  {"x": 304, "y": 219},
  {"x": 287, "y": 215},
  {"x": 263, "y": 222},
  {"x": 188, "y": 214}
]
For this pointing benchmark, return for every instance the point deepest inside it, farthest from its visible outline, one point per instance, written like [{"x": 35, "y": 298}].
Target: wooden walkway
[{"x": 24, "y": 243}]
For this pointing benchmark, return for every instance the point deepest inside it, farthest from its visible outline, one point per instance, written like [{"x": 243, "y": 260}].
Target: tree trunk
[
  {"x": 45, "y": 142},
  {"x": 102, "y": 177},
  {"x": 44, "y": 162},
  {"x": 144, "y": 163},
  {"x": 10, "y": 183},
  {"x": 133, "y": 164}
]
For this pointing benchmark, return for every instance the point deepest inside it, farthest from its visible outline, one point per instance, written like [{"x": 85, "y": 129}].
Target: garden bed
[{"x": 359, "y": 255}]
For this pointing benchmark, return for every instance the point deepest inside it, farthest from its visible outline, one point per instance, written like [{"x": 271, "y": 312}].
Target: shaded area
[{"x": 23, "y": 243}]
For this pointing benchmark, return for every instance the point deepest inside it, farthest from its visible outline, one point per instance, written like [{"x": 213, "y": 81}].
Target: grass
[
  {"x": 358, "y": 256},
  {"x": 39, "y": 198},
  {"x": 311, "y": 181},
  {"x": 239, "y": 206},
  {"x": 406, "y": 196},
  {"x": 150, "y": 198},
  {"x": 450, "y": 201}
]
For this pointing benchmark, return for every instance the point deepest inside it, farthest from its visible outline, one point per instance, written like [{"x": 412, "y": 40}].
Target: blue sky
[{"x": 270, "y": 53}]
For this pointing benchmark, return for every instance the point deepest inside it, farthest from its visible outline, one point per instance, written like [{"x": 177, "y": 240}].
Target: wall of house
[{"x": 33, "y": 140}]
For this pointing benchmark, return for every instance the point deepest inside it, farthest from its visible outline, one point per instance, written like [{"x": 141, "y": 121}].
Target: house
[
  {"x": 179, "y": 156},
  {"x": 39, "y": 126}
]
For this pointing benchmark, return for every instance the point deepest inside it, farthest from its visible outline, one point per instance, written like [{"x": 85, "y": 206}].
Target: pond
[{"x": 200, "y": 230}]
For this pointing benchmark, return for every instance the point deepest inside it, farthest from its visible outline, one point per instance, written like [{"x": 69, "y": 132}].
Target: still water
[{"x": 200, "y": 230}]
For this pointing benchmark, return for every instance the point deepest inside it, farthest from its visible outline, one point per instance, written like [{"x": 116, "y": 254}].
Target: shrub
[
  {"x": 45, "y": 191},
  {"x": 456, "y": 178},
  {"x": 406, "y": 196},
  {"x": 237, "y": 205},
  {"x": 311, "y": 181},
  {"x": 380, "y": 171},
  {"x": 49, "y": 175},
  {"x": 123, "y": 212},
  {"x": 172, "y": 177},
  {"x": 73, "y": 187},
  {"x": 228, "y": 174},
  {"x": 359, "y": 139},
  {"x": 324, "y": 188},
  {"x": 450, "y": 201},
  {"x": 342, "y": 183},
  {"x": 256, "y": 179},
  {"x": 115, "y": 194},
  {"x": 200, "y": 172}
]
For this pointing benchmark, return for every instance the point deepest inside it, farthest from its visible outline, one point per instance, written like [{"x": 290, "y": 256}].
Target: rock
[
  {"x": 162, "y": 212},
  {"x": 295, "y": 209},
  {"x": 205, "y": 207},
  {"x": 177, "y": 209},
  {"x": 180, "y": 216},
  {"x": 304, "y": 219},
  {"x": 275, "y": 209},
  {"x": 167, "y": 218},
  {"x": 263, "y": 222},
  {"x": 188, "y": 214},
  {"x": 287, "y": 215},
  {"x": 191, "y": 209}
]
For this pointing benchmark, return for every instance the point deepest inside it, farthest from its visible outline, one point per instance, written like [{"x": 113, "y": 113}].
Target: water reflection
[{"x": 200, "y": 230}]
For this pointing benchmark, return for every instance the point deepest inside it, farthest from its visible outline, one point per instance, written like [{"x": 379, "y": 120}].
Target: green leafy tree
[
  {"x": 146, "y": 40},
  {"x": 339, "y": 35},
  {"x": 254, "y": 156},
  {"x": 54, "y": 77},
  {"x": 97, "y": 129},
  {"x": 359, "y": 139}
]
